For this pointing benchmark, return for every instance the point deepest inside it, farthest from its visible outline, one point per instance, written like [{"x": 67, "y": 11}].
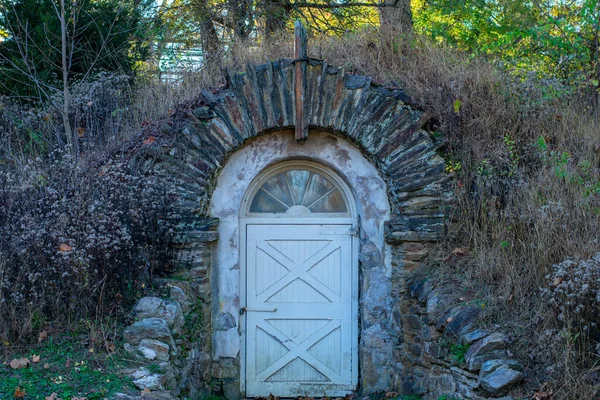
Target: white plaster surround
[{"x": 368, "y": 189}]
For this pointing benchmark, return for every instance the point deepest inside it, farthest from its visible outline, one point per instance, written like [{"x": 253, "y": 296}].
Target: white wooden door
[{"x": 300, "y": 311}]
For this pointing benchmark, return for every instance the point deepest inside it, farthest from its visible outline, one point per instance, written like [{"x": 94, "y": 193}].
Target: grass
[
  {"x": 458, "y": 351},
  {"x": 67, "y": 367}
]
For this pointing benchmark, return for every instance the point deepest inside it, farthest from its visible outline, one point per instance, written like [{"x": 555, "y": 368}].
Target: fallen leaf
[
  {"x": 68, "y": 363},
  {"x": 90, "y": 103},
  {"x": 64, "y": 248},
  {"x": 391, "y": 394},
  {"x": 19, "y": 363},
  {"x": 149, "y": 140},
  {"x": 111, "y": 347},
  {"x": 42, "y": 336},
  {"x": 53, "y": 396},
  {"x": 511, "y": 298},
  {"x": 80, "y": 132},
  {"x": 459, "y": 251},
  {"x": 78, "y": 398},
  {"x": 449, "y": 320},
  {"x": 46, "y": 366},
  {"x": 19, "y": 392},
  {"x": 35, "y": 358}
]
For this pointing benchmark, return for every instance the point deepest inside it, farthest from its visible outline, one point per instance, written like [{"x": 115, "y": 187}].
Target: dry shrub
[
  {"x": 574, "y": 295},
  {"x": 572, "y": 342},
  {"x": 76, "y": 242},
  {"x": 100, "y": 115}
]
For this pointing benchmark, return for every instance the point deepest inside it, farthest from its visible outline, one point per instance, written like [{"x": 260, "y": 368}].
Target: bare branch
[{"x": 333, "y": 5}]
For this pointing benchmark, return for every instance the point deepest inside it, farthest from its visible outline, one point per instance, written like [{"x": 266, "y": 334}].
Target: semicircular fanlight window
[{"x": 298, "y": 191}]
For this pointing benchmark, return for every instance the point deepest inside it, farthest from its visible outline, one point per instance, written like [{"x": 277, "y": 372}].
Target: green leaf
[
  {"x": 595, "y": 82},
  {"x": 457, "y": 106}
]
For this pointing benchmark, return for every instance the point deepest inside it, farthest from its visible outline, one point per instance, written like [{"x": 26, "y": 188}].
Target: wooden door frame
[{"x": 245, "y": 220}]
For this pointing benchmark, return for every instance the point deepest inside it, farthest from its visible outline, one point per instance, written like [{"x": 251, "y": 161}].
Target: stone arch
[
  {"x": 381, "y": 122},
  {"x": 199, "y": 139}
]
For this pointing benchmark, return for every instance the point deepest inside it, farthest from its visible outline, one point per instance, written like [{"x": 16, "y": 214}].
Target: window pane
[
  {"x": 298, "y": 180},
  {"x": 278, "y": 187},
  {"x": 317, "y": 187},
  {"x": 333, "y": 202},
  {"x": 265, "y": 203}
]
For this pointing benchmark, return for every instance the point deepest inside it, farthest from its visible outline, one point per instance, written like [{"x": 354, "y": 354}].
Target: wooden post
[{"x": 300, "y": 55}]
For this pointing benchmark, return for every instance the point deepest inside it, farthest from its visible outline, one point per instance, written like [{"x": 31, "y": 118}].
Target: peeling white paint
[{"x": 361, "y": 176}]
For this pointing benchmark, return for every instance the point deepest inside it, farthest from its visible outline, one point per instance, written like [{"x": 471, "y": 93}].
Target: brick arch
[{"x": 380, "y": 121}]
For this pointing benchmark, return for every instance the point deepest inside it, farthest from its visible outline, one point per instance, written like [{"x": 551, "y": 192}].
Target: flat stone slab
[
  {"x": 499, "y": 382},
  {"x": 491, "y": 365},
  {"x": 473, "y": 336},
  {"x": 153, "y": 349},
  {"x": 475, "y": 356},
  {"x": 461, "y": 321},
  {"x": 148, "y": 328},
  {"x": 156, "y": 395},
  {"x": 154, "y": 307}
]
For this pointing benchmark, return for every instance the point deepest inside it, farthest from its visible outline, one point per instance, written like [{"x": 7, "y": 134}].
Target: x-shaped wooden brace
[
  {"x": 297, "y": 271},
  {"x": 299, "y": 351}
]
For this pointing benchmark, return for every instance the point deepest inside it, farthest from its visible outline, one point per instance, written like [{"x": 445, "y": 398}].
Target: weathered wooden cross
[{"x": 301, "y": 60}]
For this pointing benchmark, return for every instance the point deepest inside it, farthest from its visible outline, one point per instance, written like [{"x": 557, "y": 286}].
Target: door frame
[{"x": 279, "y": 219}]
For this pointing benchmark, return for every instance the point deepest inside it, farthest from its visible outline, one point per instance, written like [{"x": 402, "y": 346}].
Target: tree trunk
[
  {"x": 395, "y": 16},
  {"x": 211, "y": 44},
  {"x": 242, "y": 18},
  {"x": 71, "y": 139}
]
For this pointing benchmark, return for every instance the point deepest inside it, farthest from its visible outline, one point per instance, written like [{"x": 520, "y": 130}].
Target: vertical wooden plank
[{"x": 300, "y": 54}]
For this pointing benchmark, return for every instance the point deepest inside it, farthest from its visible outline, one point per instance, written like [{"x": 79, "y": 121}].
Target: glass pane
[
  {"x": 333, "y": 202},
  {"x": 298, "y": 188},
  {"x": 265, "y": 203},
  {"x": 279, "y": 188},
  {"x": 298, "y": 180},
  {"x": 317, "y": 187}
]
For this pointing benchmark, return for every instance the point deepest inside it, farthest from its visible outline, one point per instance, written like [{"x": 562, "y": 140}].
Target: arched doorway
[
  {"x": 365, "y": 196},
  {"x": 299, "y": 283},
  {"x": 372, "y": 136}
]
